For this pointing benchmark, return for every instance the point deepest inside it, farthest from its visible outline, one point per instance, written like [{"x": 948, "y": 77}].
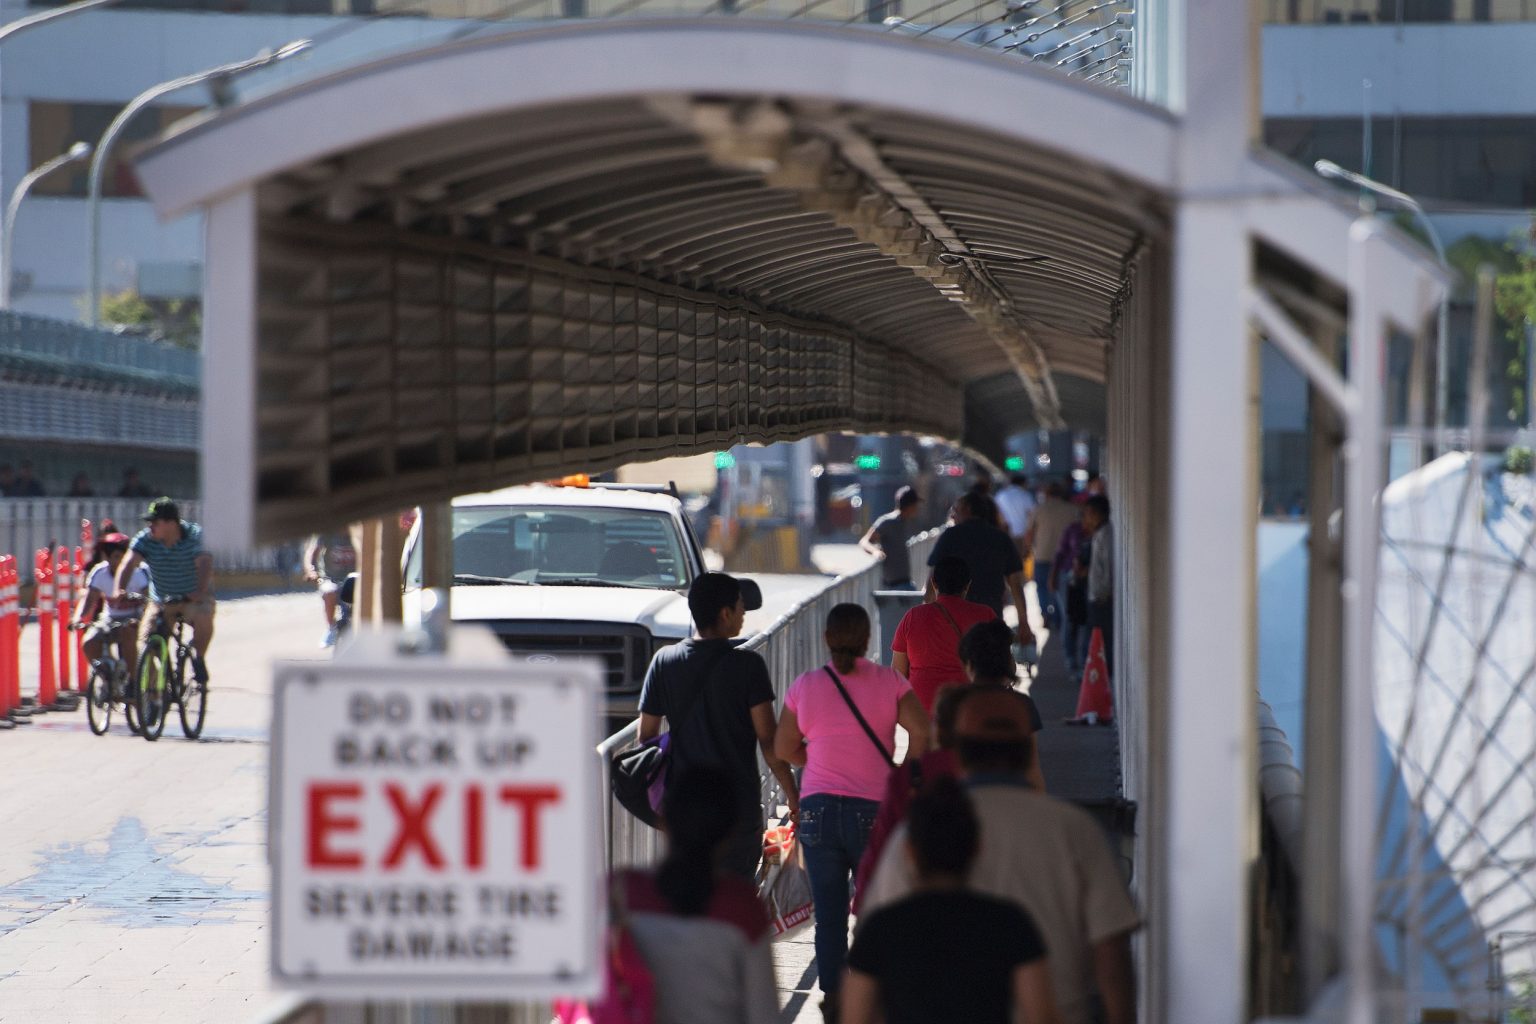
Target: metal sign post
[{"x": 435, "y": 829}]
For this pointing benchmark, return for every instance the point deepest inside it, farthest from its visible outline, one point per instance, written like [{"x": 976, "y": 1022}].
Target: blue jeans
[
  {"x": 1074, "y": 640},
  {"x": 833, "y": 831},
  {"x": 1050, "y": 610}
]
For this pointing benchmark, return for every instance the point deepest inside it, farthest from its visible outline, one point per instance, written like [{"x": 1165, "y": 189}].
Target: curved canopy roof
[{"x": 956, "y": 222}]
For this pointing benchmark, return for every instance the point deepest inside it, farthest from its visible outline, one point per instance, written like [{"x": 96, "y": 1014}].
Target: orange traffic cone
[{"x": 1095, "y": 701}]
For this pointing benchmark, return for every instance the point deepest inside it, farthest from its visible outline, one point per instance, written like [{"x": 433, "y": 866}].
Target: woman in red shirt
[{"x": 926, "y": 648}]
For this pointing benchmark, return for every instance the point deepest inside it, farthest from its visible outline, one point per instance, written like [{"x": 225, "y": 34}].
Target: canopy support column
[{"x": 1208, "y": 833}]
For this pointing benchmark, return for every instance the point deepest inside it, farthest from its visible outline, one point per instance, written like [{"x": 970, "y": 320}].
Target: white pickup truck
[{"x": 600, "y": 571}]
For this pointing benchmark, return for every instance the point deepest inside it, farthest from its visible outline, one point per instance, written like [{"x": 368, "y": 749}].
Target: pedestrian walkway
[{"x": 1081, "y": 765}]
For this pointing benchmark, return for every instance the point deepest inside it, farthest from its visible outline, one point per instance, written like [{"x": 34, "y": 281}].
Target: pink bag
[{"x": 629, "y": 990}]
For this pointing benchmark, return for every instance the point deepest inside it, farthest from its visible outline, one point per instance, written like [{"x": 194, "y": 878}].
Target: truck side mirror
[{"x": 751, "y": 594}]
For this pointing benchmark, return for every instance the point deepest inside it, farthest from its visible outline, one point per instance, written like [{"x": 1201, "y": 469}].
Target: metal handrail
[{"x": 27, "y": 524}]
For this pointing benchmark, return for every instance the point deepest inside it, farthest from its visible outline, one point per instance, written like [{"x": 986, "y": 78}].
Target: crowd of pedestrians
[{"x": 978, "y": 896}]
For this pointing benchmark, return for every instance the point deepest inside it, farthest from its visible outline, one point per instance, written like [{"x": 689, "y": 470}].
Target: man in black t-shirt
[
  {"x": 889, "y": 536},
  {"x": 946, "y": 953},
  {"x": 718, "y": 702},
  {"x": 994, "y": 561}
]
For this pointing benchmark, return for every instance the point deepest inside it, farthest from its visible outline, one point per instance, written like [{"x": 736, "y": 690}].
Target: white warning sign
[{"x": 435, "y": 829}]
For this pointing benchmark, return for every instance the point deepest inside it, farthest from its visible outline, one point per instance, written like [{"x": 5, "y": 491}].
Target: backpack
[{"x": 629, "y": 989}]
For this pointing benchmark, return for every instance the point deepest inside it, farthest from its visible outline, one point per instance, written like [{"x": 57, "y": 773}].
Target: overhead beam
[{"x": 833, "y": 168}]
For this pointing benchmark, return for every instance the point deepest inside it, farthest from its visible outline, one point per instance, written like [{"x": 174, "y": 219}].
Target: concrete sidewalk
[{"x": 133, "y": 876}]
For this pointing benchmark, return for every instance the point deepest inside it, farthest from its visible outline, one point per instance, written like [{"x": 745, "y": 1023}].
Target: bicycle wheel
[
  {"x": 191, "y": 697},
  {"x": 131, "y": 706},
  {"x": 152, "y": 697},
  {"x": 98, "y": 699}
]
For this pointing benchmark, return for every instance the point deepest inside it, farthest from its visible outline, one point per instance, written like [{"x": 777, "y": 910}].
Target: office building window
[
  {"x": 1469, "y": 161},
  {"x": 54, "y": 127}
]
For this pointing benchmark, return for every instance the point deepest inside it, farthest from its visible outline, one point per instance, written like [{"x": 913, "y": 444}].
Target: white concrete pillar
[
  {"x": 1207, "y": 825},
  {"x": 229, "y": 374},
  {"x": 1205, "y": 746}
]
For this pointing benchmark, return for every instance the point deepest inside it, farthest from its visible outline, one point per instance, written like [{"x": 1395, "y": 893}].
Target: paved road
[{"x": 133, "y": 876}]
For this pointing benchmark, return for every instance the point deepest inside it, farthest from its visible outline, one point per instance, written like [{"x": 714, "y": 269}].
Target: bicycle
[
  {"x": 163, "y": 681},
  {"x": 109, "y": 684}
]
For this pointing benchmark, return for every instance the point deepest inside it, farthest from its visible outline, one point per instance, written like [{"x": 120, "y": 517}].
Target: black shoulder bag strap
[
  {"x": 952, "y": 623},
  {"x": 886, "y": 754}
]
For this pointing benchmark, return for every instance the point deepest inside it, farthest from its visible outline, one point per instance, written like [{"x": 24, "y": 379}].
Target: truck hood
[{"x": 663, "y": 612}]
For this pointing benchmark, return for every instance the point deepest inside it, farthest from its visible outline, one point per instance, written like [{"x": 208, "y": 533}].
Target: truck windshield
[{"x": 582, "y": 546}]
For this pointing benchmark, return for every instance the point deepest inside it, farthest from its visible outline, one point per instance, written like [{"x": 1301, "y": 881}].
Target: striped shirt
[{"x": 173, "y": 569}]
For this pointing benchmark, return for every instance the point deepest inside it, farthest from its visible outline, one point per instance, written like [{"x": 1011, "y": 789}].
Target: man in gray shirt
[{"x": 889, "y": 536}]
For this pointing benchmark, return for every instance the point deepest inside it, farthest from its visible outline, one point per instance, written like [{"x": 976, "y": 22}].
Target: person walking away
[
  {"x": 133, "y": 487},
  {"x": 26, "y": 485},
  {"x": 702, "y": 931},
  {"x": 946, "y": 952},
  {"x": 108, "y": 618},
  {"x": 840, "y": 722},
  {"x": 926, "y": 647},
  {"x": 718, "y": 700},
  {"x": 1015, "y": 503},
  {"x": 328, "y": 560},
  {"x": 1045, "y": 854},
  {"x": 1101, "y": 575},
  {"x": 180, "y": 574},
  {"x": 1073, "y": 604},
  {"x": 994, "y": 562},
  {"x": 888, "y": 537},
  {"x": 1049, "y": 521},
  {"x": 987, "y": 654}
]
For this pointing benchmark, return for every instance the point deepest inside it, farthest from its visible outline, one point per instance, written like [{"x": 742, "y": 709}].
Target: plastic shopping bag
[{"x": 786, "y": 886}]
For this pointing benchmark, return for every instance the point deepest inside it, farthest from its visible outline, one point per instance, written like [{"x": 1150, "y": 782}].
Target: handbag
[
  {"x": 886, "y": 754},
  {"x": 639, "y": 775},
  {"x": 629, "y": 988}
]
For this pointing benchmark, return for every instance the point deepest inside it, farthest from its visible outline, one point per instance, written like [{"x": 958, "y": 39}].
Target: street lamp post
[
  {"x": 135, "y": 105},
  {"x": 1329, "y": 169},
  {"x": 79, "y": 151}
]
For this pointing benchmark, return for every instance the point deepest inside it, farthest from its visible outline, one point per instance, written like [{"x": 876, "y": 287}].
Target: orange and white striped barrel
[
  {"x": 47, "y": 681},
  {"x": 64, "y": 598},
  {"x": 10, "y": 647},
  {"x": 82, "y": 670}
]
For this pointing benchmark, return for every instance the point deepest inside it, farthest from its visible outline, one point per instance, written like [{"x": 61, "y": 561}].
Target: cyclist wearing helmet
[
  {"x": 180, "y": 573},
  {"x": 109, "y": 617}
]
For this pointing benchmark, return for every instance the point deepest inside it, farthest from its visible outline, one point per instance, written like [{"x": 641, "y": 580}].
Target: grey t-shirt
[{"x": 892, "y": 533}]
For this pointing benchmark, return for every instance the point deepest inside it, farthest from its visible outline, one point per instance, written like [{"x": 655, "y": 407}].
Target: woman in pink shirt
[
  {"x": 926, "y": 647},
  {"x": 840, "y": 721}
]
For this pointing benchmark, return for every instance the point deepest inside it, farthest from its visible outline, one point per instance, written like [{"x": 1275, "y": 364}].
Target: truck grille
[{"x": 623, "y": 652}]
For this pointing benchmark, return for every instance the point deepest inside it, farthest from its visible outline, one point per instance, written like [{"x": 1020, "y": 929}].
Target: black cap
[{"x": 161, "y": 508}]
